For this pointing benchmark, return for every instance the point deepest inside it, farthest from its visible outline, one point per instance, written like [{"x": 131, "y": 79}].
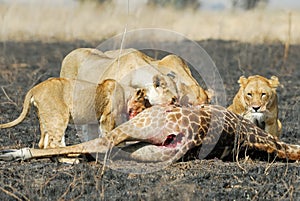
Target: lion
[
  {"x": 133, "y": 68},
  {"x": 257, "y": 101},
  {"x": 59, "y": 100}
]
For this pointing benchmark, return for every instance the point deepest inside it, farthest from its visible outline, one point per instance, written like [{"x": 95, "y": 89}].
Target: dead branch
[
  {"x": 10, "y": 100},
  {"x": 13, "y": 195},
  {"x": 288, "y": 41}
]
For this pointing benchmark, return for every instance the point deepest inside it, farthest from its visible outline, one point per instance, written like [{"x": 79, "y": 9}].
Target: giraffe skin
[{"x": 171, "y": 132}]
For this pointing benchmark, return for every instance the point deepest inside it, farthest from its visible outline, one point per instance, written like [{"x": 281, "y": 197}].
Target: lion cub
[
  {"x": 257, "y": 101},
  {"x": 60, "y": 99}
]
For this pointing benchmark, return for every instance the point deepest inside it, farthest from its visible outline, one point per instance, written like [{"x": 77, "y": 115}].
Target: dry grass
[{"x": 90, "y": 22}]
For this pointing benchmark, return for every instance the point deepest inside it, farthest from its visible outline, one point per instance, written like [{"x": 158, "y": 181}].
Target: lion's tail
[{"x": 26, "y": 107}]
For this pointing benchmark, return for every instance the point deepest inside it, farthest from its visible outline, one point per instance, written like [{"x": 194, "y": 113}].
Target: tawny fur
[
  {"x": 133, "y": 68},
  {"x": 60, "y": 99},
  {"x": 257, "y": 101}
]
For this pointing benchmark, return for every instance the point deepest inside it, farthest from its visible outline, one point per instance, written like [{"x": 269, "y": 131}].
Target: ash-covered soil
[{"x": 23, "y": 65}]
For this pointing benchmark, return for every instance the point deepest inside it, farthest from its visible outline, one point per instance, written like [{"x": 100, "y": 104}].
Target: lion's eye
[
  {"x": 249, "y": 94},
  {"x": 263, "y": 94}
]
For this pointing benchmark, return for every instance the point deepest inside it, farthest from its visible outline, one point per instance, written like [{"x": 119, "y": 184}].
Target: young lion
[
  {"x": 59, "y": 99},
  {"x": 257, "y": 101}
]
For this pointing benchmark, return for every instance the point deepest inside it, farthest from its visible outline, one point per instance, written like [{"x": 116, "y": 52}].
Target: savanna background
[{"x": 243, "y": 37}]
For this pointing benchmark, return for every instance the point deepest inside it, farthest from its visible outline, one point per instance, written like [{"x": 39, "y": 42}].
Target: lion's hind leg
[
  {"x": 53, "y": 128},
  {"x": 53, "y": 125}
]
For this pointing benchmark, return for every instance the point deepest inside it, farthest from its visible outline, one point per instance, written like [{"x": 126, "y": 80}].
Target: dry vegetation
[
  {"x": 191, "y": 180},
  {"x": 90, "y": 22},
  {"x": 26, "y": 59}
]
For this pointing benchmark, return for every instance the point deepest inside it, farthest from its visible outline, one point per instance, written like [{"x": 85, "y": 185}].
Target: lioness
[
  {"x": 133, "y": 68},
  {"x": 59, "y": 99},
  {"x": 257, "y": 101}
]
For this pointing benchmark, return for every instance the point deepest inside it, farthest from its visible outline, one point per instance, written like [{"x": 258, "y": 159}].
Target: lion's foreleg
[
  {"x": 271, "y": 123},
  {"x": 107, "y": 120}
]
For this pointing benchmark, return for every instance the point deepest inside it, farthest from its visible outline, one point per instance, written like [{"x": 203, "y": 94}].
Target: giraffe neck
[{"x": 206, "y": 124}]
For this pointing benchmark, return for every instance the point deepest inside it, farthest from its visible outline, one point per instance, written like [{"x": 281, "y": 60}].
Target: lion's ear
[
  {"x": 243, "y": 81},
  {"x": 210, "y": 94},
  {"x": 274, "y": 82}
]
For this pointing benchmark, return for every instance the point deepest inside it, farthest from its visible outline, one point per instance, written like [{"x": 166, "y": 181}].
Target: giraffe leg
[
  {"x": 100, "y": 145},
  {"x": 153, "y": 153},
  {"x": 164, "y": 153},
  {"x": 131, "y": 130}
]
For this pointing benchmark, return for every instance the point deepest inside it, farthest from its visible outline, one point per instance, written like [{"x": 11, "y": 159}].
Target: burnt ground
[{"x": 23, "y": 65}]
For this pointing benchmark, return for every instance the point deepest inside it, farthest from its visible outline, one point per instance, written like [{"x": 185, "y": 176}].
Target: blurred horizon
[
  {"x": 66, "y": 20},
  {"x": 216, "y": 5}
]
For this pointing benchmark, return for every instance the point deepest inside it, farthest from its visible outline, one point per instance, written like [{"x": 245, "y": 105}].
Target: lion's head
[
  {"x": 163, "y": 90},
  {"x": 259, "y": 93},
  {"x": 257, "y": 101}
]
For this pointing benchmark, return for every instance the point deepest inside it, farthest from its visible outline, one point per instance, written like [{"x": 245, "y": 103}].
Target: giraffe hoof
[{"x": 15, "y": 154}]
